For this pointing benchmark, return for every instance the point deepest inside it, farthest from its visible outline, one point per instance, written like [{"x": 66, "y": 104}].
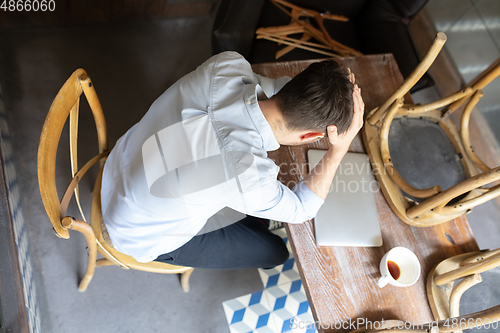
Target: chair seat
[
  {"x": 105, "y": 234},
  {"x": 424, "y": 155},
  {"x": 112, "y": 254}
]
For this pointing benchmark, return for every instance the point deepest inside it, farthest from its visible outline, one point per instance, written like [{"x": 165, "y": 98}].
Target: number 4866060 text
[{"x": 28, "y": 5}]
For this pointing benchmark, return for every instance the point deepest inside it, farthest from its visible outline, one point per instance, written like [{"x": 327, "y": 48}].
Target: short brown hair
[{"x": 318, "y": 97}]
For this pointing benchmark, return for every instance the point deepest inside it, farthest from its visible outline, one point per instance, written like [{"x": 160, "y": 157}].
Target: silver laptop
[{"x": 349, "y": 215}]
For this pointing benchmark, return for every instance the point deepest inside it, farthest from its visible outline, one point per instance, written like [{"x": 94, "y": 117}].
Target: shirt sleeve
[{"x": 276, "y": 201}]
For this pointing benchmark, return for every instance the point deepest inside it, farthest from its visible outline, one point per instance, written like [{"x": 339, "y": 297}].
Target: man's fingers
[
  {"x": 358, "y": 99},
  {"x": 351, "y": 77},
  {"x": 358, "y": 108}
]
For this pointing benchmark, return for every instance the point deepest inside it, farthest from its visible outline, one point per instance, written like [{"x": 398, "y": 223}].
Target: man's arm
[
  {"x": 276, "y": 201},
  {"x": 321, "y": 176}
]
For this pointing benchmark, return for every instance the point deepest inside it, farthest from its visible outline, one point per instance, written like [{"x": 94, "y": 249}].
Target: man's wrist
[
  {"x": 334, "y": 156},
  {"x": 337, "y": 151}
]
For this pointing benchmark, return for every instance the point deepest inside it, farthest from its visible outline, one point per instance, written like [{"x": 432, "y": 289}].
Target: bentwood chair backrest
[
  {"x": 452, "y": 277},
  {"x": 420, "y": 205},
  {"x": 66, "y": 104}
]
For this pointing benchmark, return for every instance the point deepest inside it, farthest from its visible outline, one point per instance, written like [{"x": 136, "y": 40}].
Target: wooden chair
[
  {"x": 410, "y": 173},
  {"x": 66, "y": 104},
  {"x": 281, "y": 34},
  {"x": 465, "y": 269}
]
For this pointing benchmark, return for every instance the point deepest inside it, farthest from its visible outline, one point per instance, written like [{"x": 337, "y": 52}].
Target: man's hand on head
[
  {"x": 351, "y": 76},
  {"x": 320, "y": 178},
  {"x": 341, "y": 142}
]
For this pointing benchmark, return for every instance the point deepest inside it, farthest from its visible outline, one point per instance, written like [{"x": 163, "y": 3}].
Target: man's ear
[{"x": 311, "y": 136}]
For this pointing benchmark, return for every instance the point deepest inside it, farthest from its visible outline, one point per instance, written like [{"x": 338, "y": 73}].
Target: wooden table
[{"x": 340, "y": 282}]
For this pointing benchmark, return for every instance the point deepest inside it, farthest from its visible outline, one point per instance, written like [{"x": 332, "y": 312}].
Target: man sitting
[{"x": 202, "y": 147}]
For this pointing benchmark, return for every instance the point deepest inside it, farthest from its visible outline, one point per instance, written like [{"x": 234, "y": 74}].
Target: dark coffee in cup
[{"x": 394, "y": 269}]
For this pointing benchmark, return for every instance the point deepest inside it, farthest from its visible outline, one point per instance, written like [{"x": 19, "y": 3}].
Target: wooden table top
[{"x": 340, "y": 282}]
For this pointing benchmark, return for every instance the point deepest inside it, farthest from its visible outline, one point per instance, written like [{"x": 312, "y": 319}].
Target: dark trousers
[{"x": 244, "y": 244}]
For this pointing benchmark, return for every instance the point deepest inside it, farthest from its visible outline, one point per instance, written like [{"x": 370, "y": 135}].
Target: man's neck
[
  {"x": 273, "y": 116},
  {"x": 283, "y": 135}
]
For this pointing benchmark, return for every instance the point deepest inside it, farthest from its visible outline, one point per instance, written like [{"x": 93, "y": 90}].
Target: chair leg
[
  {"x": 86, "y": 230},
  {"x": 185, "y": 280},
  {"x": 89, "y": 274}
]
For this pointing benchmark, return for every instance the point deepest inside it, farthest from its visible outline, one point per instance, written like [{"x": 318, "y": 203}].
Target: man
[{"x": 202, "y": 147}]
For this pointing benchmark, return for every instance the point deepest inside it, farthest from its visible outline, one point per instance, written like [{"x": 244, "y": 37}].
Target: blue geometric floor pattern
[{"x": 281, "y": 307}]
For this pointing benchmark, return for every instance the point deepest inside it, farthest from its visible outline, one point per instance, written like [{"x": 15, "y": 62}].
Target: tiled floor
[
  {"x": 473, "y": 30},
  {"x": 281, "y": 307}
]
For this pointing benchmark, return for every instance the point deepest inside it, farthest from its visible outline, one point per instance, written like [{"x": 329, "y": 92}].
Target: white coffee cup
[{"x": 406, "y": 261}]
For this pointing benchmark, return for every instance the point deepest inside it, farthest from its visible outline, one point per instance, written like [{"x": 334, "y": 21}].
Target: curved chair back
[
  {"x": 423, "y": 207},
  {"x": 67, "y": 104},
  {"x": 451, "y": 278}
]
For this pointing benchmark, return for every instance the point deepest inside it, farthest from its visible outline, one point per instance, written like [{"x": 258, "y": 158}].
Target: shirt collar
[
  {"x": 266, "y": 85},
  {"x": 269, "y": 141}
]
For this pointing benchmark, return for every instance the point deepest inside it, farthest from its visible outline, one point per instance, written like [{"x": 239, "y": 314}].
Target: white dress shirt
[{"x": 201, "y": 147}]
